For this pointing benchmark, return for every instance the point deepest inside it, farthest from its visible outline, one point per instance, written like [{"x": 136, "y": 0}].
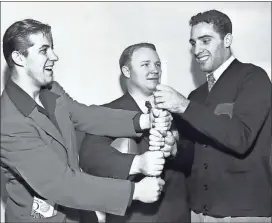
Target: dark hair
[
  {"x": 125, "y": 57},
  {"x": 16, "y": 37},
  {"x": 221, "y": 22}
]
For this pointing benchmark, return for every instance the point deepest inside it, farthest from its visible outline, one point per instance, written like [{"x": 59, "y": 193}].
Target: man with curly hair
[{"x": 228, "y": 119}]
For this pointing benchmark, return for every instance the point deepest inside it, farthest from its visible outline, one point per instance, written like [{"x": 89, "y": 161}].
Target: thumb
[{"x": 156, "y": 112}]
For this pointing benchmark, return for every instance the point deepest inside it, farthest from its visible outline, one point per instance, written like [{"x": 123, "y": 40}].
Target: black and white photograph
[{"x": 129, "y": 112}]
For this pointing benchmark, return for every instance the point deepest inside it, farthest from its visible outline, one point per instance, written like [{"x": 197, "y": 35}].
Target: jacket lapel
[
  {"x": 42, "y": 121},
  {"x": 68, "y": 133},
  {"x": 129, "y": 103}
]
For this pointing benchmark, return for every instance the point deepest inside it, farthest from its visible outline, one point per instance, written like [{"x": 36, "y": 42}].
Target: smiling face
[
  {"x": 144, "y": 70},
  {"x": 40, "y": 59},
  {"x": 210, "y": 50}
]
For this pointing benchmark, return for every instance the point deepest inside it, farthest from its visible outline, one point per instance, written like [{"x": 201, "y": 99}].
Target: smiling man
[
  {"x": 38, "y": 142},
  {"x": 228, "y": 119},
  {"x": 141, "y": 66}
]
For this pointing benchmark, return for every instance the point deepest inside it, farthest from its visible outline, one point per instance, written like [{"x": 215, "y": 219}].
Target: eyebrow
[
  {"x": 45, "y": 46},
  {"x": 201, "y": 37}
]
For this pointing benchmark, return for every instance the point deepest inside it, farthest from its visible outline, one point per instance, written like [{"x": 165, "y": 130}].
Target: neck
[
  {"x": 143, "y": 96},
  {"x": 24, "y": 82}
]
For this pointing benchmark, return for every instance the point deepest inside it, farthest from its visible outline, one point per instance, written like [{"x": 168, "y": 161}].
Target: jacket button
[
  {"x": 205, "y": 166},
  {"x": 205, "y": 187},
  {"x": 205, "y": 145}
]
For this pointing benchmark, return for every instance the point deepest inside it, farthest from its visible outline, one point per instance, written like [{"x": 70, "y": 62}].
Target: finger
[
  {"x": 157, "y": 154},
  {"x": 161, "y": 87},
  {"x": 162, "y": 105},
  {"x": 154, "y": 143},
  {"x": 159, "y": 99},
  {"x": 166, "y": 148},
  {"x": 160, "y": 181},
  {"x": 155, "y": 132},
  {"x": 156, "y": 139},
  {"x": 154, "y": 148},
  {"x": 156, "y": 112},
  {"x": 163, "y": 129},
  {"x": 166, "y": 154},
  {"x": 163, "y": 119}
]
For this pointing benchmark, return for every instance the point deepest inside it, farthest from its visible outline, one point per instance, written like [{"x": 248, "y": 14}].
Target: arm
[
  {"x": 97, "y": 157},
  {"x": 101, "y": 120},
  {"x": 50, "y": 177},
  {"x": 251, "y": 109}
]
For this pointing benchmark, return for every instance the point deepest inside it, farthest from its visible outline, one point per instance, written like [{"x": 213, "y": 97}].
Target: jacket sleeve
[
  {"x": 25, "y": 152},
  {"x": 99, "y": 120},
  {"x": 97, "y": 157},
  {"x": 250, "y": 111}
]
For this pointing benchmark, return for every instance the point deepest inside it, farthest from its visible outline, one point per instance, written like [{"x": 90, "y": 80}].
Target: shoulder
[{"x": 116, "y": 104}]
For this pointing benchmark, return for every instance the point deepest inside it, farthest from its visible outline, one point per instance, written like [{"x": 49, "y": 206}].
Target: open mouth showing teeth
[
  {"x": 49, "y": 68},
  {"x": 204, "y": 58}
]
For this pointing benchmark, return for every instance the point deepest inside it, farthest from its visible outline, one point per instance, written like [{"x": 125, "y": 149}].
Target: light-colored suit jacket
[{"x": 38, "y": 160}]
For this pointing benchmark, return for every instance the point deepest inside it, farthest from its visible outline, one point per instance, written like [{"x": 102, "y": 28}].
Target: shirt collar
[
  {"x": 20, "y": 98},
  {"x": 24, "y": 103},
  {"x": 220, "y": 70},
  {"x": 141, "y": 103}
]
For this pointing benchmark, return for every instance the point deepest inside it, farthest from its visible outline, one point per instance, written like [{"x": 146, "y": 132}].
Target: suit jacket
[
  {"x": 98, "y": 158},
  {"x": 39, "y": 160},
  {"x": 231, "y": 129}
]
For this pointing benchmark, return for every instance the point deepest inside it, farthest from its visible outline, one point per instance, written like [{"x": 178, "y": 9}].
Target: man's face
[
  {"x": 40, "y": 60},
  {"x": 145, "y": 70},
  {"x": 207, "y": 46}
]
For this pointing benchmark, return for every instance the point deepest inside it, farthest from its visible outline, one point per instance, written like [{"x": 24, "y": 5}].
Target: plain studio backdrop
[{"x": 89, "y": 38}]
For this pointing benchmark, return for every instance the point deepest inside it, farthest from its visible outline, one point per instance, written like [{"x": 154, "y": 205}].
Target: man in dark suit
[
  {"x": 38, "y": 142},
  {"x": 229, "y": 120},
  {"x": 141, "y": 67}
]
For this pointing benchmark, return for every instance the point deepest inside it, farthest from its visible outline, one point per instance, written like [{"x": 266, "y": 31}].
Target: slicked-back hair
[
  {"x": 221, "y": 22},
  {"x": 16, "y": 37},
  {"x": 126, "y": 56}
]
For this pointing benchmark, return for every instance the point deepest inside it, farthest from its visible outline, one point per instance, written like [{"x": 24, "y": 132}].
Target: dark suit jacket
[
  {"x": 38, "y": 160},
  {"x": 231, "y": 129},
  {"x": 98, "y": 158}
]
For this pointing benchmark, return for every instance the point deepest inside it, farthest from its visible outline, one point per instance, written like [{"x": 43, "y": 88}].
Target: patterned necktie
[
  {"x": 211, "y": 81},
  {"x": 149, "y": 106}
]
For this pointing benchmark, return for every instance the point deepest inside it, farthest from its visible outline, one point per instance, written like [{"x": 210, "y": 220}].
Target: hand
[
  {"x": 170, "y": 146},
  {"x": 160, "y": 119},
  {"x": 148, "y": 189},
  {"x": 151, "y": 163},
  {"x": 167, "y": 98},
  {"x": 165, "y": 144}
]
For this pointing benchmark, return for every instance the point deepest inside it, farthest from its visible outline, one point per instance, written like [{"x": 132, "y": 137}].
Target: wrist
[
  {"x": 135, "y": 166},
  {"x": 183, "y": 106},
  {"x": 136, "y": 192},
  {"x": 144, "y": 121}
]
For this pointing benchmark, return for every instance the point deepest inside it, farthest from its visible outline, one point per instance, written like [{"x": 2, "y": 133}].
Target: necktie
[
  {"x": 211, "y": 81},
  {"x": 149, "y": 106}
]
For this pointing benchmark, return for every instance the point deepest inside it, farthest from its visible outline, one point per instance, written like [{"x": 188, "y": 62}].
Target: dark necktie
[{"x": 211, "y": 81}]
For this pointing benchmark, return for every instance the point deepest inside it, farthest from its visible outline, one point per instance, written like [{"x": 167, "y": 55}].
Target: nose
[
  {"x": 198, "y": 49},
  {"x": 155, "y": 69},
  {"x": 53, "y": 56}
]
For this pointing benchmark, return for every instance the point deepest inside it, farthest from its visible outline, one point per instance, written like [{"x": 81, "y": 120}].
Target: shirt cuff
[
  {"x": 131, "y": 194},
  {"x": 136, "y": 123}
]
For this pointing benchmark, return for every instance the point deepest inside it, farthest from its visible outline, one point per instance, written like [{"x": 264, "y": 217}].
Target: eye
[
  {"x": 145, "y": 65},
  {"x": 43, "y": 51},
  {"x": 192, "y": 43},
  {"x": 158, "y": 64},
  {"x": 206, "y": 41}
]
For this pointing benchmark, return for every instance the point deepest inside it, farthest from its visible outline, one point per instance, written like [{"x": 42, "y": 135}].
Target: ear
[
  {"x": 228, "y": 40},
  {"x": 18, "y": 58},
  {"x": 126, "y": 71}
]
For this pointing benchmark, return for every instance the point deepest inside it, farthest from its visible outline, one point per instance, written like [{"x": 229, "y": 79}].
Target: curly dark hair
[{"x": 221, "y": 22}]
